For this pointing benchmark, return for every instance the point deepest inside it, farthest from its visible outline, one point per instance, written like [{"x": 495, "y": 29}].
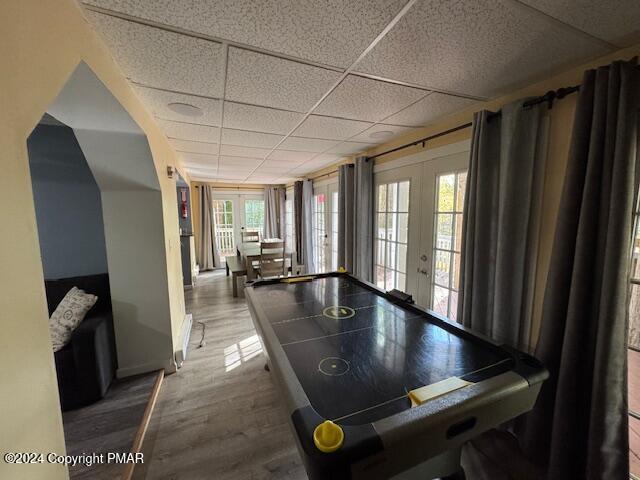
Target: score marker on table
[{"x": 429, "y": 392}]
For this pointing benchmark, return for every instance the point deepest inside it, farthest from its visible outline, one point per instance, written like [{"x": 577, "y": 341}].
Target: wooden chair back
[
  {"x": 250, "y": 237},
  {"x": 272, "y": 259}
]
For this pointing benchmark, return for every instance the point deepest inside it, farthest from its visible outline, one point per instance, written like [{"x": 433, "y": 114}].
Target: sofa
[{"x": 87, "y": 365}]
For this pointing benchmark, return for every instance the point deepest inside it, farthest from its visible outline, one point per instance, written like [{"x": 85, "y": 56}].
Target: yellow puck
[{"x": 328, "y": 436}]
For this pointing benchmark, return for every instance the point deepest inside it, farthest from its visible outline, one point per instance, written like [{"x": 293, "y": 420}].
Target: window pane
[
  {"x": 403, "y": 197},
  {"x": 382, "y": 225},
  {"x": 456, "y": 271},
  {"x": 391, "y": 255},
  {"x": 390, "y": 279},
  {"x": 382, "y": 198},
  {"x": 380, "y": 246},
  {"x": 458, "y": 244},
  {"x": 462, "y": 183},
  {"x": 403, "y": 227},
  {"x": 442, "y": 267},
  {"x": 392, "y": 220},
  {"x": 453, "y": 309},
  {"x": 380, "y": 277},
  {"x": 634, "y": 317},
  {"x": 402, "y": 258},
  {"x": 401, "y": 282},
  {"x": 446, "y": 185},
  {"x": 440, "y": 300},
  {"x": 392, "y": 197},
  {"x": 444, "y": 231}
]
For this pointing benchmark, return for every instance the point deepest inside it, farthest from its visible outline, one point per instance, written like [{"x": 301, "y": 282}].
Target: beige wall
[
  {"x": 560, "y": 136},
  {"x": 42, "y": 43}
]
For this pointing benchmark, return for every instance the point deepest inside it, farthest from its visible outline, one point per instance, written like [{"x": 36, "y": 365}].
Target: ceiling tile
[
  {"x": 287, "y": 165},
  {"x": 259, "y": 119},
  {"x": 316, "y": 126},
  {"x": 158, "y": 100},
  {"x": 366, "y": 99},
  {"x": 619, "y": 25},
  {"x": 194, "y": 147},
  {"x": 333, "y": 32},
  {"x": 476, "y": 47},
  {"x": 307, "y": 144},
  {"x": 381, "y": 133},
  {"x": 163, "y": 59},
  {"x": 196, "y": 159},
  {"x": 429, "y": 109},
  {"x": 348, "y": 148},
  {"x": 273, "y": 82},
  {"x": 189, "y": 131},
  {"x": 328, "y": 158},
  {"x": 290, "y": 155},
  {"x": 240, "y": 162},
  {"x": 250, "y": 139},
  {"x": 308, "y": 167},
  {"x": 238, "y": 151}
]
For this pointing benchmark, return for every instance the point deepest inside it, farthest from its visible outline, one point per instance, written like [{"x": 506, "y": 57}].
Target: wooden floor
[
  {"x": 108, "y": 425},
  {"x": 220, "y": 417},
  {"x": 634, "y": 405}
]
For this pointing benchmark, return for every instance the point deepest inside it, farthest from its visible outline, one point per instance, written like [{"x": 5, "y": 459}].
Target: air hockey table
[{"x": 376, "y": 387}]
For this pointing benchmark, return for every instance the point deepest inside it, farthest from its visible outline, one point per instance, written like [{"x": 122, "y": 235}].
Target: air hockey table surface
[{"x": 343, "y": 350}]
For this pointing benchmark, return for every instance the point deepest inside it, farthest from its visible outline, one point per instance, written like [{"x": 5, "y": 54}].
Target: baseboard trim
[{"x": 144, "y": 424}]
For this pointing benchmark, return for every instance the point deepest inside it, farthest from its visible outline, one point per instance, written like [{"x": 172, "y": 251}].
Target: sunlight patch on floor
[{"x": 241, "y": 352}]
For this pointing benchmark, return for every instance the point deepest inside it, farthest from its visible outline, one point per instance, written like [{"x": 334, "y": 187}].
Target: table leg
[
  {"x": 226, "y": 267},
  {"x": 251, "y": 275},
  {"x": 234, "y": 277}
]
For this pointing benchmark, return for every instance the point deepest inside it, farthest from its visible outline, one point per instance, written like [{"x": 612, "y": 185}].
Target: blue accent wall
[{"x": 68, "y": 205}]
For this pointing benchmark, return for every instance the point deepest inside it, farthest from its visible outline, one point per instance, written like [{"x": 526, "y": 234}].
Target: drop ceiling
[{"x": 282, "y": 88}]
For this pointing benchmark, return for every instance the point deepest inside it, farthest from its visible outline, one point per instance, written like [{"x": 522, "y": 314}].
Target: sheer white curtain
[
  {"x": 274, "y": 212},
  {"x": 207, "y": 252}
]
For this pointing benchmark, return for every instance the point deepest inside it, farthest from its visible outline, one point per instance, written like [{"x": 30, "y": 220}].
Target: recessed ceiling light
[
  {"x": 381, "y": 134},
  {"x": 185, "y": 109}
]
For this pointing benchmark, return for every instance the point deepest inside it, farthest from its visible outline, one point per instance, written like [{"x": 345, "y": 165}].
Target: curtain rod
[{"x": 548, "y": 97}]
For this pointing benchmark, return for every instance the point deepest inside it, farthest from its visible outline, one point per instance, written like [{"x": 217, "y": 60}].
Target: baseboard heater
[{"x": 181, "y": 354}]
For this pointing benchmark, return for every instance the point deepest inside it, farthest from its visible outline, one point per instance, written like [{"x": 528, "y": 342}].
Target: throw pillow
[{"x": 68, "y": 315}]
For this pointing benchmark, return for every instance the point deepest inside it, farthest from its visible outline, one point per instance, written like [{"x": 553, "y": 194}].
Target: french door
[
  {"x": 418, "y": 226},
  {"x": 325, "y": 227},
  {"x": 233, "y": 214}
]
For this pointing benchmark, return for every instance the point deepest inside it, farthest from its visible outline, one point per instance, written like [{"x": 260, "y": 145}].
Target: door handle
[
  {"x": 423, "y": 272},
  {"x": 424, "y": 257}
]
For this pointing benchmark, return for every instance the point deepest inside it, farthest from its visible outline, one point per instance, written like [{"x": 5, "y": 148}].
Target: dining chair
[
  {"x": 272, "y": 259},
  {"x": 250, "y": 237}
]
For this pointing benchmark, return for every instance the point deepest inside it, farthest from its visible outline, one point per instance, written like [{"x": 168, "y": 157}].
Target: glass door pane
[
  {"x": 224, "y": 228},
  {"x": 447, "y": 242},
  {"x": 333, "y": 239},
  {"x": 319, "y": 232},
  {"x": 254, "y": 216}
]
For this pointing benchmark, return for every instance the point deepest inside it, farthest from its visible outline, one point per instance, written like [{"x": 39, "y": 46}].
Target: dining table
[{"x": 249, "y": 252}]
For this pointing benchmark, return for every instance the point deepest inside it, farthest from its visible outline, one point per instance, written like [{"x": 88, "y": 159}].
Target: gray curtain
[
  {"x": 580, "y": 421},
  {"x": 363, "y": 219},
  {"x": 307, "y": 226},
  {"x": 274, "y": 212},
  {"x": 297, "y": 221},
  {"x": 346, "y": 191},
  {"x": 207, "y": 253},
  {"x": 501, "y": 223}
]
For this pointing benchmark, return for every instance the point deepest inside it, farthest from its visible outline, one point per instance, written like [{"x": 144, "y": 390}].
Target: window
[
  {"x": 223, "y": 214},
  {"x": 392, "y": 232},
  {"x": 288, "y": 223},
  {"x": 254, "y": 216},
  {"x": 318, "y": 231},
  {"x": 633, "y": 355},
  {"x": 447, "y": 243},
  {"x": 334, "y": 231}
]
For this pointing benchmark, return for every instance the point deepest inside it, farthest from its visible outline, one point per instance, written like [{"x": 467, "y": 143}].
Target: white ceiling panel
[
  {"x": 274, "y": 82},
  {"x": 282, "y": 164},
  {"x": 244, "y": 138},
  {"x": 290, "y": 155},
  {"x": 194, "y": 147},
  {"x": 617, "y": 22},
  {"x": 163, "y": 59},
  {"x": 381, "y": 133},
  {"x": 238, "y": 151},
  {"x": 308, "y": 167},
  {"x": 259, "y": 119},
  {"x": 366, "y": 99},
  {"x": 333, "y": 32},
  {"x": 158, "y": 102},
  {"x": 307, "y": 144},
  {"x": 430, "y": 108},
  {"x": 199, "y": 159},
  {"x": 476, "y": 47},
  {"x": 239, "y": 162},
  {"x": 316, "y": 126},
  {"x": 349, "y": 148},
  {"x": 328, "y": 158},
  {"x": 189, "y": 131}
]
